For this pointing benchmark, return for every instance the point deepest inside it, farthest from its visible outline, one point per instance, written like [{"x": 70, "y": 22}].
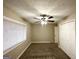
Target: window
[{"x": 13, "y": 33}]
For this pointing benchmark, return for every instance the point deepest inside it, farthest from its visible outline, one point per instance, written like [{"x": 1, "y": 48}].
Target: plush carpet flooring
[{"x": 44, "y": 51}]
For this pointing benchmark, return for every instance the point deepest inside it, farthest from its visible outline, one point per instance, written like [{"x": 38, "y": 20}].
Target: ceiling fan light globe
[
  {"x": 45, "y": 22},
  {"x": 42, "y": 22}
]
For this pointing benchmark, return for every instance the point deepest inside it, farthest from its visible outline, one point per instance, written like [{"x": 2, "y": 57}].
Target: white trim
[
  {"x": 64, "y": 51},
  {"x": 42, "y": 42},
  {"x": 65, "y": 22},
  {"x": 13, "y": 47},
  {"x": 12, "y": 20},
  {"x": 23, "y": 50}
]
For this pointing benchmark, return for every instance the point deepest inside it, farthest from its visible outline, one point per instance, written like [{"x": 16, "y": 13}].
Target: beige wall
[
  {"x": 19, "y": 48},
  {"x": 42, "y": 34},
  {"x": 10, "y": 13},
  {"x": 67, "y": 36},
  {"x": 56, "y": 29}
]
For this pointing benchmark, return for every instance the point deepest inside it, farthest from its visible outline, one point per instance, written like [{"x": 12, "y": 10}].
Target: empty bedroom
[{"x": 39, "y": 29}]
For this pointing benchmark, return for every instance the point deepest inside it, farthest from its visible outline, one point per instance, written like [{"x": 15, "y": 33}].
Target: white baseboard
[
  {"x": 23, "y": 51},
  {"x": 13, "y": 47},
  {"x": 42, "y": 42}
]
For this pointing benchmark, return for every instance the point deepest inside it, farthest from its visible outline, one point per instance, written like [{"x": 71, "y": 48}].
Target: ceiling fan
[{"x": 44, "y": 19}]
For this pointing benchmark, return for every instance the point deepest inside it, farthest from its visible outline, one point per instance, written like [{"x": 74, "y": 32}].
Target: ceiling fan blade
[
  {"x": 51, "y": 21},
  {"x": 50, "y": 17},
  {"x": 36, "y": 18},
  {"x": 37, "y": 22}
]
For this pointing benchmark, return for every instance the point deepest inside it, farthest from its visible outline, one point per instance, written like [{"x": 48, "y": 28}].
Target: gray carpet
[{"x": 44, "y": 51}]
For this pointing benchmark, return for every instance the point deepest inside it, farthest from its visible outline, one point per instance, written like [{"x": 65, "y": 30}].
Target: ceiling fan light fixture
[
  {"x": 43, "y": 22},
  {"x": 44, "y": 19}
]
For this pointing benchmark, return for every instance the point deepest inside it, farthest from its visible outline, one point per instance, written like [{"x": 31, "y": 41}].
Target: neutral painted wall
[
  {"x": 56, "y": 34},
  {"x": 67, "y": 36},
  {"x": 16, "y": 50},
  {"x": 42, "y": 34}
]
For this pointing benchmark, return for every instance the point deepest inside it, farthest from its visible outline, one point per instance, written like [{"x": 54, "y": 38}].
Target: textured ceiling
[{"x": 33, "y": 8}]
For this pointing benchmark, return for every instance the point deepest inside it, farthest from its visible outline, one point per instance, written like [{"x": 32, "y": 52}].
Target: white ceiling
[{"x": 33, "y": 8}]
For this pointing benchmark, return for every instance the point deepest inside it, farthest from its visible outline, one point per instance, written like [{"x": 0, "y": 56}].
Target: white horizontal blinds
[{"x": 13, "y": 33}]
